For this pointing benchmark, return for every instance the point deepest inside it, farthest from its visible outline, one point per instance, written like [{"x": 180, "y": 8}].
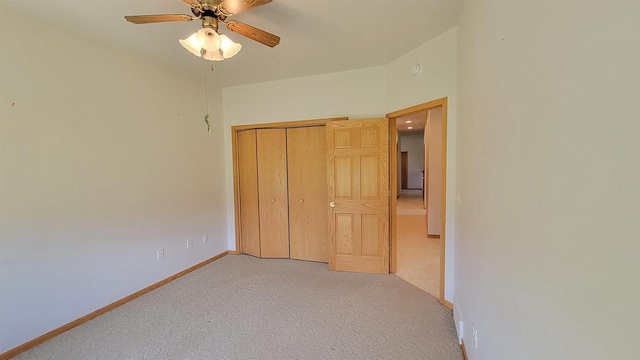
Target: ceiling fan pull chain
[{"x": 206, "y": 100}]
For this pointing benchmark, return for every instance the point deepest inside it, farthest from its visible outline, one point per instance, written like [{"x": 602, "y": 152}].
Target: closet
[{"x": 281, "y": 192}]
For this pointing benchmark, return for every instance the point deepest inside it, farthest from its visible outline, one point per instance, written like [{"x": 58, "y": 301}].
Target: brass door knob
[
  {"x": 273, "y": 200},
  {"x": 332, "y": 204},
  {"x": 301, "y": 201}
]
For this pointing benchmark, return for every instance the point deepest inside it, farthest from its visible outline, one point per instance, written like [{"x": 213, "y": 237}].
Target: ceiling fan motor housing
[{"x": 210, "y": 22}]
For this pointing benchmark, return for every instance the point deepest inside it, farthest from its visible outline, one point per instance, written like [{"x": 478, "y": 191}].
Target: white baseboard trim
[{"x": 458, "y": 320}]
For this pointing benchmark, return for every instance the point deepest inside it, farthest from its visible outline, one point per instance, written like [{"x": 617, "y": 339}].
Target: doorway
[
  {"x": 418, "y": 218},
  {"x": 404, "y": 169}
]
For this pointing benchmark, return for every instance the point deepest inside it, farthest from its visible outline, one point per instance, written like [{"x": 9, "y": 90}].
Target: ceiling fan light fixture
[
  {"x": 212, "y": 55},
  {"x": 209, "y": 39},
  {"x": 207, "y": 42},
  {"x": 192, "y": 44},
  {"x": 228, "y": 47}
]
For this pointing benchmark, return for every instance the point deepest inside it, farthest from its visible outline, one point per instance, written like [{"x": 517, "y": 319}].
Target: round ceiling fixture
[{"x": 416, "y": 69}]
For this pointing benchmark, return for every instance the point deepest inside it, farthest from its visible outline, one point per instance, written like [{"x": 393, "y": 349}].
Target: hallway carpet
[
  {"x": 418, "y": 255},
  {"x": 240, "y": 307}
]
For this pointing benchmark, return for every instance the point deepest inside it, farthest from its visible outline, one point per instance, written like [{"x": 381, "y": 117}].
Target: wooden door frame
[
  {"x": 234, "y": 152},
  {"x": 393, "y": 177},
  {"x": 403, "y": 170}
]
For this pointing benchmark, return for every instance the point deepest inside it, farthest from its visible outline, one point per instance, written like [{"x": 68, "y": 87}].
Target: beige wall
[
  {"x": 548, "y": 239},
  {"x": 105, "y": 158}
]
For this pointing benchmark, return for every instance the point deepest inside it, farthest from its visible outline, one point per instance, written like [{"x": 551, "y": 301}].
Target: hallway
[{"x": 418, "y": 255}]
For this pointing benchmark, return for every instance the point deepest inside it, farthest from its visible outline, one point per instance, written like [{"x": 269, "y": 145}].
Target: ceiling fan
[{"x": 207, "y": 42}]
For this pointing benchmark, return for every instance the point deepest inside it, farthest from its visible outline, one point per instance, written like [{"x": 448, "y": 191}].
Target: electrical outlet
[
  {"x": 189, "y": 243},
  {"x": 160, "y": 254},
  {"x": 205, "y": 238},
  {"x": 475, "y": 335}
]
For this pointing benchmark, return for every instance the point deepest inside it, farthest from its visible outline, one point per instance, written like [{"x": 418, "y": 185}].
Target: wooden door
[
  {"x": 248, "y": 184},
  {"x": 358, "y": 177},
  {"x": 272, "y": 185},
  {"x": 404, "y": 169},
  {"x": 307, "y": 173}
]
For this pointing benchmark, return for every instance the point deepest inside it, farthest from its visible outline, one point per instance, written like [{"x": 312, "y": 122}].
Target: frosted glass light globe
[
  {"x": 213, "y": 55},
  {"x": 228, "y": 47},
  {"x": 209, "y": 39},
  {"x": 192, "y": 44}
]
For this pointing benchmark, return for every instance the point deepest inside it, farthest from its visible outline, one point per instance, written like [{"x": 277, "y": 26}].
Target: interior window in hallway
[{"x": 418, "y": 254}]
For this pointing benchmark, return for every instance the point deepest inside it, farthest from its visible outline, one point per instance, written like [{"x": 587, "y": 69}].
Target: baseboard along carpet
[{"x": 240, "y": 307}]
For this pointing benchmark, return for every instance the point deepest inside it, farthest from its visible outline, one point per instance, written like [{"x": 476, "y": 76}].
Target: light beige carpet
[
  {"x": 418, "y": 255},
  {"x": 241, "y": 307}
]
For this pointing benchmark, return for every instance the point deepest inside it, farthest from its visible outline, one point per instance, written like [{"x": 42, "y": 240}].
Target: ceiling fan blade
[
  {"x": 193, "y": 3},
  {"x": 232, "y": 7},
  {"x": 148, "y": 19},
  {"x": 256, "y": 34}
]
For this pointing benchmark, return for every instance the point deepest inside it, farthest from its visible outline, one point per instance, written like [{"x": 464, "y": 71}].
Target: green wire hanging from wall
[{"x": 206, "y": 121}]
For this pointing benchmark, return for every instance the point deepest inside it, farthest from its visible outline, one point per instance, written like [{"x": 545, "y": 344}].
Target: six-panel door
[{"x": 358, "y": 178}]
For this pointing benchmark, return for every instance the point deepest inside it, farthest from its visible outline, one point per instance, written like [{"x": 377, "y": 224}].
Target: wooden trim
[
  {"x": 443, "y": 218},
  {"x": 404, "y": 170},
  {"x": 432, "y": 236},
  {"x": 464, "y": 351},
  {"x": 412, "y": 189},
  {"x": 417, "y": 108},
  {"x": 446, "y": 303},
  {"x": 234, "y": 152},
  {"x": 55, "y": 332},
  {"x": 442, "y": 102},
  {"x": 426, "y": 174},
  {"x": 393, "y": 194},
  {"x": 236, "y": 189},
  {"x": 287, "y": 124}
]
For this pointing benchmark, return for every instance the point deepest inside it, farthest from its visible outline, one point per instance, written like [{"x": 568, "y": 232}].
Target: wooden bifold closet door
[
  {"x": 307, "y": 170},
  {"x": 317, "y": 192},
  {"x": 272, "y": 189},
  {"x": 248, "y": 186},
  {"x": 283, "y": 193}
]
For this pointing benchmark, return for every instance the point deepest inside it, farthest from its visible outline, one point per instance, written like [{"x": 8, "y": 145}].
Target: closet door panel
[
  {"x": 307, "y": 173},
  {"x": 248, "y": 184},
  {"x": 272, "y": 185}
]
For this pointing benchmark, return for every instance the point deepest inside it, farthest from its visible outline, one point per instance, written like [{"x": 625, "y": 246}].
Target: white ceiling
[
  {"x": 318, "y": 36},
  {"x": 416, "y": 121}
]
